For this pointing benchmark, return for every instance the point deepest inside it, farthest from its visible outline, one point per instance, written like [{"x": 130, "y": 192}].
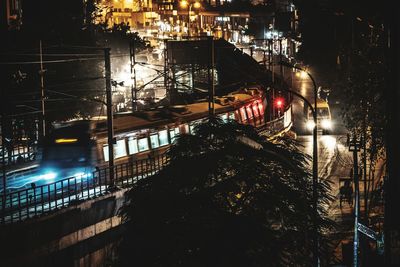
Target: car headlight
[
  {"x": 326, "y": 124},
  {"x": 310, "y": 125}
]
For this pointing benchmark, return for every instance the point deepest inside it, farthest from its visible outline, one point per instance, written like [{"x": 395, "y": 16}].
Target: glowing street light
[
  {"x": 184, "y": 4},
  {"x": 315, "y": 154},
  {"x": 302, "y": 74}
]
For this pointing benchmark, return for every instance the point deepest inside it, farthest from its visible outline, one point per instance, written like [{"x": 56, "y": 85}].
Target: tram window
[
  {"x": 224, "y": 117},
  {"x": 261, "y": 108},
  {"x": 255, "y": 110},
  {"x": 232, "y": 116},
  {"x": 186, "y": 128},
  {"x": 133, "y": 146},
  {"x": 237, "y": 116},
  {"x": 143, "y": 144},
  {"x": 173, "y": 133},
  {"x": 163, "y": 135},
  {"x": 154, "y": 141},
  {"x": 120, "y": 149},
  {"x": 243, "y": 114},
  {"x": 191, "y": 128},
  {"x": 249, "y": 112},
  {"x": 105, "y": 152}
]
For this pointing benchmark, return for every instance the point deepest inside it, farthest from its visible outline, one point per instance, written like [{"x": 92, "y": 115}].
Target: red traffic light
[{"x": 279, "y": 102}]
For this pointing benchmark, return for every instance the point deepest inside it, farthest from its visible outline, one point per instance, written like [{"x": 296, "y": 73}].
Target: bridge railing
[{"x": 37, "y": 200}]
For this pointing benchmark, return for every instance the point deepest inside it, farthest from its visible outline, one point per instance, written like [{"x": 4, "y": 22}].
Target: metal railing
[
  {"x": 38, "y": 200},
  {"x": 31, "y": 202}
]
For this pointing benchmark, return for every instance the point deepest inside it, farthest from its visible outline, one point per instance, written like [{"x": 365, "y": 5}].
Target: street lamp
[
  {"x": 315, "y": 156},
  {"x": 184, "y": 4}
]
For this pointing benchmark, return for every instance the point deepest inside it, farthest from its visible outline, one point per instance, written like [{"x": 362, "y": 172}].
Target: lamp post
[
  {"x": 315, "y": 159},
  {"x": 184, "y": 4}
]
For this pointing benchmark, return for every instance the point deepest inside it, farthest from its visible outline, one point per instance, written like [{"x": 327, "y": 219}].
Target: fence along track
[
  {"x": 39, "y": 200},
  {"x": 32, "y": 202}
]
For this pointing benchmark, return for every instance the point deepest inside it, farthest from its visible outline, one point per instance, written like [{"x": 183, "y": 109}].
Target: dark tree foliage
[
  {"x": 365, "y": 83},
  {"x": 345, "y": 41},
  {"x": 223, "y": 202}
]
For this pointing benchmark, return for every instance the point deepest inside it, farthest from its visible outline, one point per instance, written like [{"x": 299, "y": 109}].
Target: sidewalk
[{"x": 342, "y": 239}]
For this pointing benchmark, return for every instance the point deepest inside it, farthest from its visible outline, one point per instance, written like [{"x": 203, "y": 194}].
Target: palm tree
[{"x": 227, "y": 198}]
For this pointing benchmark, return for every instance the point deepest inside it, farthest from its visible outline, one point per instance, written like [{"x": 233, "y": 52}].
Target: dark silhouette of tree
[{"x": 223, "y": 201}]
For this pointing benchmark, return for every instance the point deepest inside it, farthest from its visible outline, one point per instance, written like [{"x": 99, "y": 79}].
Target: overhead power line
[{"x": 49, "y": 61}]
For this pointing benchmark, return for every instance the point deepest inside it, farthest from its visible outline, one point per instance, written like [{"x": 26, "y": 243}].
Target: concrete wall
[{"x": 81, "y": 235}]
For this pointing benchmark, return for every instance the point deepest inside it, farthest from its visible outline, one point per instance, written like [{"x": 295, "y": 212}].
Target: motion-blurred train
[{"x": 75, "y": 148}]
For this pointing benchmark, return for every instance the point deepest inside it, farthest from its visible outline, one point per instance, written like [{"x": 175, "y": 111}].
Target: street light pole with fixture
[
  {"x": 184, "y": 4},
  {"x": 315, "y": 160}
]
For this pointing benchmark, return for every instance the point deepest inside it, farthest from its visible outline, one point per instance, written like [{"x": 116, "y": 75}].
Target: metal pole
[
  {"x": 190, "y": 7},
  {"x": 281, "y": 58},
  {"x": 110, "y": 130},
  {"x": 133, "y": 75},
  {"x": 211, "y": 108},
  {"x": 315, "y": 168},
  {"x": 3, "y": 155},
  {"x": 315, "y": 172},
  {"x": 364, "y": 144},
  {"x": 354, "y": 147},
  {"x": 41, "y": 72},
  {"x": 316, "y": 261}
]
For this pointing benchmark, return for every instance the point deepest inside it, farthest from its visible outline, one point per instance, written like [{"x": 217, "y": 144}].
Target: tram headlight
[
  {"x": 48, "y": 175},
  {"x": 310, "y": 125},
  {"x": 326, "y": 124}
]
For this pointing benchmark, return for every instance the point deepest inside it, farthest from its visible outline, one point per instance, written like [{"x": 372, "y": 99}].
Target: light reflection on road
[{"x": 329, "y": 142}]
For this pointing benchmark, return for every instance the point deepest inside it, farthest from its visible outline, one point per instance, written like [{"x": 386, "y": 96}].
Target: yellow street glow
[
  {"x": 66, "y": 140},
  {"x": 184, "y": 3},
  {"x": 303, "y": 74},
  {"x": 197, "y": 5}
]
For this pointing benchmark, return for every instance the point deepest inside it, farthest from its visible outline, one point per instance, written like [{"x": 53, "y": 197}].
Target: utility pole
[
  {"x": 281, "y": 58},
  {"x": 110, "y": 130},
  {"x": 41, "y": 73},
  {"x": 3, "y": 154},
  {"x": 211, "y": 108},
  {"x": 133, "y": 74},
  {"x": 354, "y": 146},
  {"x": 364, "y": 144}
]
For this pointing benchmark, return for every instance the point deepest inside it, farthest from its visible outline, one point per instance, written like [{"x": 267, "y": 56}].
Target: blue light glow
[
  {"x": 48, "y": 175},
  {"x": 82, "y": 175}
]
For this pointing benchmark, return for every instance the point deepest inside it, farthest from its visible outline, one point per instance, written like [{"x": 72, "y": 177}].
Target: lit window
[
  {"x": 163, "y": 135},
  {"x": 132, "y": 146},
  {"x": 243, "y": 114},
  {"x": 173, "y": 133},
  {"x": 143, "y": 144},
  {"x": 120, "y": 149},
  {"x": 105, "y": 152},
  {"x": 224, "y": 117},
  {"x": 191, "y": 128},
  {"x": 255, "y": 110},
  {"x": 154, "y": 141},
  {"x": 261, "y": 108},
  {"x": 185, "y": 128},
  {"x": 249, "y": 113}
]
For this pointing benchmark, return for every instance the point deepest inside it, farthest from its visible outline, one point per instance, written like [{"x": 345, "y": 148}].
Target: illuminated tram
[{"x": 75, "y": 148}]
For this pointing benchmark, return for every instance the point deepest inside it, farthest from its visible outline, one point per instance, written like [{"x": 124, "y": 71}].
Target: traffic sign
[{"x": 367, "y": 231}]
